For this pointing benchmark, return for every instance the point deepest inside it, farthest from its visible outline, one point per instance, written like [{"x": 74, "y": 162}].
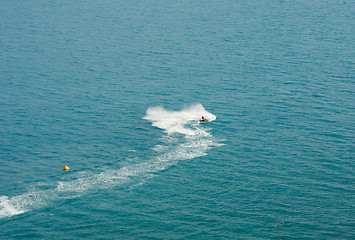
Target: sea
[{"x": 114, "y": 89}]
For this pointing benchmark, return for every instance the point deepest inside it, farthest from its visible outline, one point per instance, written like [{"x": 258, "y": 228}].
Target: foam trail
[
  {"x": 184, "y": 139},
  {"x": 7, "y": 208}
]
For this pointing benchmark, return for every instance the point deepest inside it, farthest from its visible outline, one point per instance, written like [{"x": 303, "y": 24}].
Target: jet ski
[{"x": 203, "y": 119}]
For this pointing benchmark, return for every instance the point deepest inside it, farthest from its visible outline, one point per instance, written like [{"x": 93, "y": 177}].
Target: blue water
[{"x": 114, "y": 90}]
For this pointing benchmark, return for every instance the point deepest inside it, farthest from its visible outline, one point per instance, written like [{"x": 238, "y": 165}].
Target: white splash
[{"x": 175, "y": 121}]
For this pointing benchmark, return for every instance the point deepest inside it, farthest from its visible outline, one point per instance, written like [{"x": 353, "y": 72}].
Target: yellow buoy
[{"x": 65, "y": 167}]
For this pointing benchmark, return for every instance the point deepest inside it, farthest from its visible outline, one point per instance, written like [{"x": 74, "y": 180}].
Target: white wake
[{"x": 183, "y": 138}]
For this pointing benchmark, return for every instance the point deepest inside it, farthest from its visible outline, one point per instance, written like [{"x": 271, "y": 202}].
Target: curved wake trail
[{"x": 184, "y": 138}]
